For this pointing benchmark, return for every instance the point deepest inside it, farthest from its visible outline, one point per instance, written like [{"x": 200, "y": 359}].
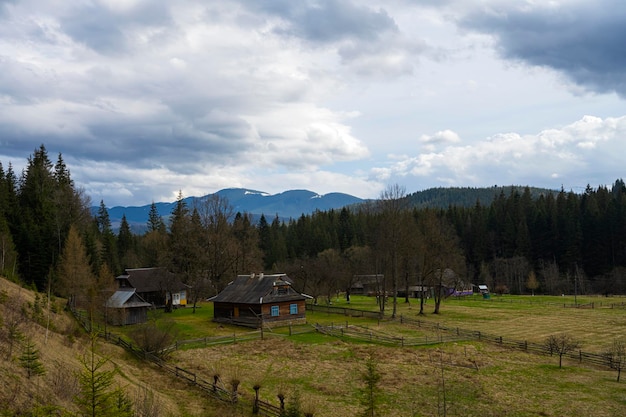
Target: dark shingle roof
[
  {"x": 150, "y": 279},
  {"x": 258, "y": 289}
]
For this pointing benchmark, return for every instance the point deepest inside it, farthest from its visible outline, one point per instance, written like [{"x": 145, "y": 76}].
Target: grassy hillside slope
[{"x": 61, "y": 344}]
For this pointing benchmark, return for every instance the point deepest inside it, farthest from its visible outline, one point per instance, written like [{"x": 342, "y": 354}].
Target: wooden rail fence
[{"x": 213, "y": 389}]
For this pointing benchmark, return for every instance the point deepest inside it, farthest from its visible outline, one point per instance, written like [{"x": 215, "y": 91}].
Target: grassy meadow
[{"x": 325, "y": 374}]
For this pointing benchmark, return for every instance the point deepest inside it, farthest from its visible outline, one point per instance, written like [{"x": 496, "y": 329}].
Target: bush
[{"x": 153, "y": 338}]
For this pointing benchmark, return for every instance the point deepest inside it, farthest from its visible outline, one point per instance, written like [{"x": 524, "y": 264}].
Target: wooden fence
[
  {"x": 350, "y": 312},
  {"x": 365, "y": 334},
  {"x": 448, "y": 334},
  {"x": 441, "y": 333},
  {"x": 601, "y": 360},
  {"x": 214, "y": 389}
]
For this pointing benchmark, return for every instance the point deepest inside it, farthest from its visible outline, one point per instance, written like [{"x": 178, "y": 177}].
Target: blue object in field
[{"x": 486, "y": 296}]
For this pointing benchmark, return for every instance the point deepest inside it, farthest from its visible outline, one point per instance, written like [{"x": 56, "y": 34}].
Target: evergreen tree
[
  {"x": 96, "y": 397},
  {"x": 71, "y": 204},
  {"x": 39, "y": 209},
  {"x": 8, "y": 254},
  {"x": 370, "y": 394},
  {"x": 155, "y": 221},
  {"x": 126, "y": 245},
  {"x": 30, "y": 359},
  {"x": 181, "y": 254},
  {"x": 109, "y": 253},
  {"x": 36, "y": 238},
  {"x": 265, "y": 243}
]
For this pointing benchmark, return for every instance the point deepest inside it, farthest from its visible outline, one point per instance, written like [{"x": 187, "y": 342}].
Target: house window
[
  {"x": 293, "y": 309},
  {"x": 275, "y": 311}
]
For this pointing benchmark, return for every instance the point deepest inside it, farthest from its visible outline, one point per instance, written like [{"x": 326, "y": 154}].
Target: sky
[{"x": 148, "y": 98}]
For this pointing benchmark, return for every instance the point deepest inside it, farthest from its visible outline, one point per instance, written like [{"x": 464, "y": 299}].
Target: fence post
[
  {"x": 281, "y": 398},
  {"x": 255, "y": 405}
]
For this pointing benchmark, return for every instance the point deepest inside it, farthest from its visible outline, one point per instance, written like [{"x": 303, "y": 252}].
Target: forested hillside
[
  {"x": 441, "y": 197},
  {"x": 522, "y": 240}
]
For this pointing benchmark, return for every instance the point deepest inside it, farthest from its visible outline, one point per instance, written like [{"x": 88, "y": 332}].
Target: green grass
[{"x": 480, "y": 379}]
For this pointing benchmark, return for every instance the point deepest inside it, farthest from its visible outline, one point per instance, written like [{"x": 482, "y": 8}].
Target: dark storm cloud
[
  {"x": 584, "y": 40},
  {"x": 329, "y": 20}
]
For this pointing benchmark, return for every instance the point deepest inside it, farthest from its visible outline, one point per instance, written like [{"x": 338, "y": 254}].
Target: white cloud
[
  {"x": 144, "y": 98},
  {"x": 524, "y": 159}
]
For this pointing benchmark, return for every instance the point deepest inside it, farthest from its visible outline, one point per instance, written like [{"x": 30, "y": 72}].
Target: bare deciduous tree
[
  {"x": 392, "y": 207},
  {"x": 617, "y": 356},
  {"x": 220, "y": 250},
  {"x": 561, "y": 344},
  {"x": 440, "y": 252}
]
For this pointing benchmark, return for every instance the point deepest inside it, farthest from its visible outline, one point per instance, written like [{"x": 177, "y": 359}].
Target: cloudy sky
[{"x": 146, "y": 98}]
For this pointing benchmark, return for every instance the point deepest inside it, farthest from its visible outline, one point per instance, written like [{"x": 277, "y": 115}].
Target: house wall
[
  {"x": 284, "y": 311},
  {"x": 126, "y": 316},
  {"x": 232, "y": 310},
  {"x": 179, "y": 298},
  {"x": 249, "y": 312}
]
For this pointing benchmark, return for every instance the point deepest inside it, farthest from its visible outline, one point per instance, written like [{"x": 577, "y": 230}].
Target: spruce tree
[
  {"x": 370, "y": 394},
  {"x": 125, "y": 244},
  {"x": 30, "y": 359},
  {"x": 109, "y": 252},
  {"x": 97, "y": 396},
  {"x": 155, "y": 221},
  {"x": 36, "y": 237}
]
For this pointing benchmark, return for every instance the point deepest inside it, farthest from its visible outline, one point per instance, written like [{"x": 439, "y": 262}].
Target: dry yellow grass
[
  {"x": 478, "y": 379},
  {"x": 60, "y": 350}
]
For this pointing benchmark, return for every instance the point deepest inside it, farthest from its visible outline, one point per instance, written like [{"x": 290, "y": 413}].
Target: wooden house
[
  {"x": 125, "y": 306},
  {"x": 367, "y": 284},
  {"x": 260, "y": 300},
  {"x": 154, "y": 285}
]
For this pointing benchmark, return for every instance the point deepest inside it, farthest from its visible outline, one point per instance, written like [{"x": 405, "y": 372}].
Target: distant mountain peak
[{"x": 287, "y": 204}]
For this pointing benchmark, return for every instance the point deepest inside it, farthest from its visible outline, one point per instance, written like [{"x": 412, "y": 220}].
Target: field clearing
[
  {"x": 520, "y": 318},
  {"x": 480, "y": 379}
]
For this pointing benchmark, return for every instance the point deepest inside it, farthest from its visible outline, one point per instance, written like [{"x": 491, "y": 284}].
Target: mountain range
[
  {"x": 294, "y": 203},
  {"x": 285, "y": 205}
]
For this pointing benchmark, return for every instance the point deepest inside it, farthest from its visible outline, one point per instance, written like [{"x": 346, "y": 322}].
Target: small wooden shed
[
  {"x": 125, "y": 306},
  {"x": 260, "y": 300}
]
